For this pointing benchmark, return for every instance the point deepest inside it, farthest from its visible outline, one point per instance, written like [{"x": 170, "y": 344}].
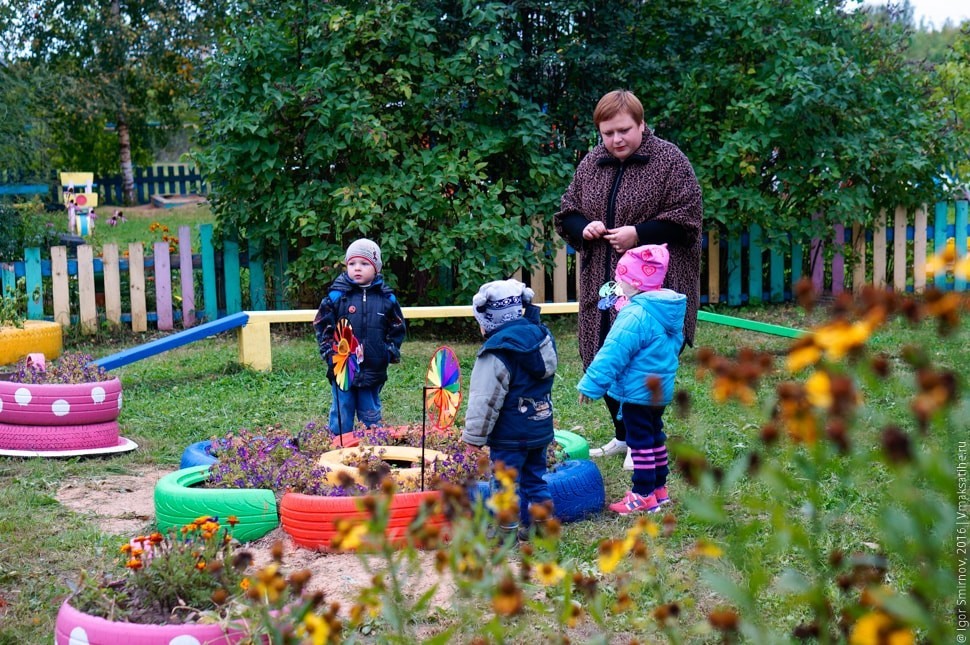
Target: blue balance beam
[{"x": 171, "y": 342}]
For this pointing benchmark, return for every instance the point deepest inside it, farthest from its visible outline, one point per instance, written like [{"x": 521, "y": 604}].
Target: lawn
[
  {"x": 138, "y": 222},
  {"x": 200, "y": 391}
]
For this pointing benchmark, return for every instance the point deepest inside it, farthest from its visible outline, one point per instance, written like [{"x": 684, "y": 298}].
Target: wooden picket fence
[
  {"x": 159, "y": 179},
  {"x": 128, "y": 287}
]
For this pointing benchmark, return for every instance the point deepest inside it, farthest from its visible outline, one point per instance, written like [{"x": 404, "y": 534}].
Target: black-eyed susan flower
[
  {"x": 507, "y": 600},
  {"x": 610, "y": 554},
  {"x": 549, "y": 573}
]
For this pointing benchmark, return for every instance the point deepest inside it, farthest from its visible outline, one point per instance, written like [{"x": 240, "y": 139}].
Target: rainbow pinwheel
[
  {"x": 346, "y": 352},
  {"x": 442, "y": 388}
]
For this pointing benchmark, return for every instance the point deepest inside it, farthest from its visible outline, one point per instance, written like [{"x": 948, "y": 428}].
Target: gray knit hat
[
  {"x": 366, "y": 249},
  {"x": 498, "y": 302}
]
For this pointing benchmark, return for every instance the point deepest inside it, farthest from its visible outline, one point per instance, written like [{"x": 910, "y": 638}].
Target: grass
[
  {"x": 199, "y": 391},
  {"x": 137, "y": 228}
]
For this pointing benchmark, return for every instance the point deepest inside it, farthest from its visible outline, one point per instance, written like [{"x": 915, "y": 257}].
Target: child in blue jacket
[
  {"x": 510, "y": 396},
  {"x": 360, "y": 295},
  {"x": 636, "y": 366}
]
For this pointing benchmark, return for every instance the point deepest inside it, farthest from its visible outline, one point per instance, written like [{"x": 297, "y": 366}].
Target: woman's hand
[
  {"x": 622, "y": 239},
  {"x": 594, "y": 230}
]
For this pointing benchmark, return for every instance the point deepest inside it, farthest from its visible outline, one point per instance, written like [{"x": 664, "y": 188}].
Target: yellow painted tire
[
  {"x": 334, "y": 461},
  {"x": 37, "y": 336}
]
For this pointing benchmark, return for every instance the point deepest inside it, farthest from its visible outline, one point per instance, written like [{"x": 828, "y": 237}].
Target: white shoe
[
  {"x": 614, "y": 447},
  {"x": 628, "y": 460}
]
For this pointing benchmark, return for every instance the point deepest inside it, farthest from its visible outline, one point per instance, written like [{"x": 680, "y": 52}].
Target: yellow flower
[
  {"x": 611, "y": 551},
  {"x": 507, "y": 600},
  {"x": 316, "y": 627},
  {"x": 549, "y": 573},
  {"x": 349, "y": 535},
  {"x": 818, "y": 387},
  {"x": 574, "y": 614},
  {"x": 706, "y": 549},
  {"x": 878, "y": 628},
  {"x": 802, "y": 356}
]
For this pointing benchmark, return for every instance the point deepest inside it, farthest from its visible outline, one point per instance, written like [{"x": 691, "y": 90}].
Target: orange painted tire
[
  {"x": 311, "y": 519},
  {"x": 36, "y": 336}
]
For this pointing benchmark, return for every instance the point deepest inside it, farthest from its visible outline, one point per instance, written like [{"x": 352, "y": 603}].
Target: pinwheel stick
[{"x": 424, "y": 427}]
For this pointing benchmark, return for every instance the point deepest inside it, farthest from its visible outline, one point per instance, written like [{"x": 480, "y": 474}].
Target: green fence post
[
  {"x": 230, "y": 265},
  {"x": 35, "y": 284},
  {"x": 210, "y": 295},
  {"x": 257, "y": 278},
  {"x": 755, "y": 266},
  {"x": 940, "y": 212},
  {"x": 734, "y": 271}
]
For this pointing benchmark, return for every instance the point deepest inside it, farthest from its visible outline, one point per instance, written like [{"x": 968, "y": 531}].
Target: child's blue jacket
[{"x": 644, "y": 341}]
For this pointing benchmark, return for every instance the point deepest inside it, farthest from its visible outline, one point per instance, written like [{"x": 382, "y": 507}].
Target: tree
[
  {"x": 323, "y": 123},
  {"x": 129, "y": 61}
]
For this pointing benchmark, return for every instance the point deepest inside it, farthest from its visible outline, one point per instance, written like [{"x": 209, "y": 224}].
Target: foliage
[
  {"x": 126, "y": 63},
  {"x": 13, "y": 305},
  {"x": 25, "y": 140},
  {"x": 24, "y": 226},
  {"x": 71, "y": 367},
  {"x": 170, "y": 578},
  {"x": 386, "y": 119},
  {"x": 774, "y": 528}
]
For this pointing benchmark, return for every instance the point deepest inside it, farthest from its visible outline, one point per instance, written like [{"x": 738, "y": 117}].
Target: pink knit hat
[{"x": 644, "y": 268}]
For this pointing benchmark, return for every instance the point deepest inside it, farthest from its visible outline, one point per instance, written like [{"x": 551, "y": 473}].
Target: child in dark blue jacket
[
  {"x": 360, "y": 295},
  {"x": 636, "y": 366},
  {"x": 510, "y": 396}
]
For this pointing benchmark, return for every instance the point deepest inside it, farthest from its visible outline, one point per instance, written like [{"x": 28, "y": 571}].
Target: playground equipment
[{"x": 80, "y": 201}]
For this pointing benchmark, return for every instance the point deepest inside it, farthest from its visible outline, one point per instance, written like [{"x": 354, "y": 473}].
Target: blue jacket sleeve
[{"x": 613, "y": 358}]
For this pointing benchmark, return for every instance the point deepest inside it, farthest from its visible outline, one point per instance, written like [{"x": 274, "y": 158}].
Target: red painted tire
[
  {"x": 47, "y": 438},
  {"x": 311, "y": 519},
  {"x": 55, "y": 404},
  {"x": 73, "y": 627}
]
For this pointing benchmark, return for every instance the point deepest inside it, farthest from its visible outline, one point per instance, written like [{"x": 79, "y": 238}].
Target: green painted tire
[
  {"x": 575, "y": 446},
  {"x": 178, "y": 502}
]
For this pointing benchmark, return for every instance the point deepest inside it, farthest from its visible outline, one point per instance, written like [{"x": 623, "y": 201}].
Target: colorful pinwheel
[
  {"x": 346, "y": 354},
  {"x": 442, "y": 388}
]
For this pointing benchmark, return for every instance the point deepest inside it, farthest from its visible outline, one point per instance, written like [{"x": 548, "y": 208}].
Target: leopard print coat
[{"x": 656, "y": 182}]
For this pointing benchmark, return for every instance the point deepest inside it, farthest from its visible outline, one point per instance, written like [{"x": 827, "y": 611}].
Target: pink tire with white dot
[
  {"x": 53, "y": 438},
  {"x": 74, "y": 627},
  {"x": 55, "y": 404}
]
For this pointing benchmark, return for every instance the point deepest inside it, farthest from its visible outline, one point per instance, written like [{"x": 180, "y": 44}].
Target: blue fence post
[
  {"x": 755, "y": 266},
  {"x": 940, "y": 212},
  {"x": 257, "y": 277}
]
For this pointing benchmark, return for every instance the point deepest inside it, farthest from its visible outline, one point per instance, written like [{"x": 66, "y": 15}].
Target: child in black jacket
[{"x": 360, "y": 295}]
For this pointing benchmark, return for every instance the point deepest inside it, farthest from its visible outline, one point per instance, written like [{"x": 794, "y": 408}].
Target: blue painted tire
[
  {"x": 576, "y": 487},
  {"x": 577, "y": 490},
  {"x": 197, "y": 454},
  {"x": 575, "y": 445}
]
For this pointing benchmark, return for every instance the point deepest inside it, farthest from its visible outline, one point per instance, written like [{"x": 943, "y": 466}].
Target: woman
[{"x": 631, "y": 189}]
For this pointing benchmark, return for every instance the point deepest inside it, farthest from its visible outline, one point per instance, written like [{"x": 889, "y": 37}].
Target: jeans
[
  {"x": 365, "y": 403},
  {"x": 531, "y": 466}
]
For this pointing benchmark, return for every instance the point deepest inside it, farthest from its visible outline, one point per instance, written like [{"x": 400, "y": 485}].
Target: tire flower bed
[
  {"x": 316, "y": 481},
  {"x": 63, "y": 408}
]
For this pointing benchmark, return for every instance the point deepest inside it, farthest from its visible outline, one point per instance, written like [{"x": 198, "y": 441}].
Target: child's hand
[{"x": 583, "y": 399}]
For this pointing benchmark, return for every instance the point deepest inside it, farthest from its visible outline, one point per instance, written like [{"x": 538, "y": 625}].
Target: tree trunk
[{"x": 124, "y": 149}]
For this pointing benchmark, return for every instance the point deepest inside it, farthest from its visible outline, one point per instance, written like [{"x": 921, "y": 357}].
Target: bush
[{"x": 24, "y": 226}]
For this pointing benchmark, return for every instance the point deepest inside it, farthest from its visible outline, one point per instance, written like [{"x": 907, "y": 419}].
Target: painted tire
[
  {"x": 333, "y": 460},
  {"x": 576, "y": 487},
  {"x": 311, "y": 519},
  {"x": 197, "y": 454},
  {"x": 575, "y": 445},
  {"x": 200, "y": 453},
  {"x": 55, "y": 404},
  {"x": 74, "y": 627},
  {"x": 177, "y": 503},
  {"x": 50, "y": 438},
  {"x": 35, "y": 336}
]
